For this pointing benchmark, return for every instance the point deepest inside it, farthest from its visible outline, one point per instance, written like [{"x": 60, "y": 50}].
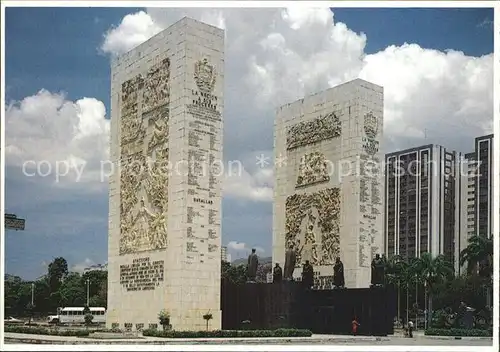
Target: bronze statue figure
[
  {"x": 307, "y": 275},
  {"x": 290, "y": 262},
  {"x": 277, "y": 273},
  {"x": 253, "y": 263},
  {"x": 378, "y": 271},
  {"x": 338, "y": 274}
]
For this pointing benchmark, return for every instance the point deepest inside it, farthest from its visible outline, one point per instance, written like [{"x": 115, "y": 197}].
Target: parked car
[{"x": 12, "y": 320}]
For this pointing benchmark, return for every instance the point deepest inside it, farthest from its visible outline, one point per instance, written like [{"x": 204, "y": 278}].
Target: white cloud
[
  {"x": 255, "y": 187},
  {"x": 242, "y": 248},
  {"x": 133, "y": 30},
  {"x": 273, "y": 56},
  {"x": 58, "y": 138},
  {"x": 80, "y": 267}
]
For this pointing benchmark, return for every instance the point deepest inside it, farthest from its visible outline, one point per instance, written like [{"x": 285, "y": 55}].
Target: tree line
[
  {"x": 423, "y": 284},
  {"x": 430, "y": 284},
  {"x": 57, "y": 288}
]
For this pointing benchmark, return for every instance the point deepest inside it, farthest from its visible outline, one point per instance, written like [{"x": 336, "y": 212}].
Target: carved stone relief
[
  {"x": 144, "y": 161},
  {"x": 371, "y": 125},
  {"x": 313, "y": 169},
  {"x": 313, "y": 226},
  {"x": 318, "y": 129},
  {"x": 156, "y": 90}
]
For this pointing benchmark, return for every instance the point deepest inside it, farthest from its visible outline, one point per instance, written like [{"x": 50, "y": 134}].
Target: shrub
[
  {"x": 45, "y": 331},
  {"x": 164, "y": 318},
  {"x": 228, "y": 333},
  {"x": 459, "y": 332},
  {"x": 88, "y": 319}
]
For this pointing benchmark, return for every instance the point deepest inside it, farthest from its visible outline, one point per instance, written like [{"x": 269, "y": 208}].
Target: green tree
[
  {"x": 235, "y": 274},
  {"x": 479, "y": 256},
  {"x": 98, "y": 287},
  {"x": 431, "y": 271},
  {"x": 262, "y": 271},
  {"x": 57, "y": 271},
  {"x": 72, "y": 292}
]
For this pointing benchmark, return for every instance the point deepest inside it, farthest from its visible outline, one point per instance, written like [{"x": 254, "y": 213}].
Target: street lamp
[
  {"x": 33, "y": 294},
  {"x": 88, "y": 293}
]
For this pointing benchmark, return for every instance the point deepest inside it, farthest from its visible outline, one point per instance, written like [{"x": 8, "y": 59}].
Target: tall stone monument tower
[
  {"x": 165, "y": 198},
  {"x": 328, "y": 181}
]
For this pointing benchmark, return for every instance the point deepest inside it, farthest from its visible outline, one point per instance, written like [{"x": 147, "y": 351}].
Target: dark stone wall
[{"x": 288, "y": 305}]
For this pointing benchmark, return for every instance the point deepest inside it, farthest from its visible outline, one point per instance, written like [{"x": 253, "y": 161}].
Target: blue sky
[{"x": 59, "y": 50}]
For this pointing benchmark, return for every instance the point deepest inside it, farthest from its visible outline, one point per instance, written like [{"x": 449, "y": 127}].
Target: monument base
[{"x": 288, "y": 305}]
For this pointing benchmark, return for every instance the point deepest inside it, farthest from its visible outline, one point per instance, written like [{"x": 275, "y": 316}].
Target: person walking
[{"x": 355, "y": 326}]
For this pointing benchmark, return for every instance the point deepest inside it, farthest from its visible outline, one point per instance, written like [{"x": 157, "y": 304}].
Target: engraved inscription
[{"x": 142, "y": 274}]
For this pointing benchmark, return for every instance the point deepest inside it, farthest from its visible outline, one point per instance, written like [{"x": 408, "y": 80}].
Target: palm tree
[
  {"x": 395, "y": 269},
  {"x": 479, "y": 258},
  {"x": 431, "y": 271},
  {"x": 478, "y": 255}
]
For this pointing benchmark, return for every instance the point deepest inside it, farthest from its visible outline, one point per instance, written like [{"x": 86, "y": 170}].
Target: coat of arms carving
[
  {"x": 204, "y": 76},
  {"x": 371, "y": 125}
]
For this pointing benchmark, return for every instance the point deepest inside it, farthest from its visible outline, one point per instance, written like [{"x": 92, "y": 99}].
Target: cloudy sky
[{"x": 436, "y": 66}]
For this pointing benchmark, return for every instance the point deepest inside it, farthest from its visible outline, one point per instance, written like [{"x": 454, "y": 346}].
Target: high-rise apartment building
[
  {"x": 483, "y": 192},
  {"x": 423, "y": 204}
]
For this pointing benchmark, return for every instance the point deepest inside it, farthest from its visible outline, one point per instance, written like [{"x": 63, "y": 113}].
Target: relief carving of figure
[
  {"x": 318, "y": 129},
  {"x": 326, "y": 225},
  {"x": 309, "y": 250},
  {"x": 159, "y": 136},
  {"x": 312, "y": 169},
  {"x": 156, "y": 86},
  {"x": 158, "y": 231}
]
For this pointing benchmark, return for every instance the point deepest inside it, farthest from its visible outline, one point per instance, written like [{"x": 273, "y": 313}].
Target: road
[{"x": 11, "y": 338}]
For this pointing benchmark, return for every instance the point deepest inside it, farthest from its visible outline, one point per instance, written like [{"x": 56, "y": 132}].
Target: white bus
[{"x": 75, "y": 315}]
